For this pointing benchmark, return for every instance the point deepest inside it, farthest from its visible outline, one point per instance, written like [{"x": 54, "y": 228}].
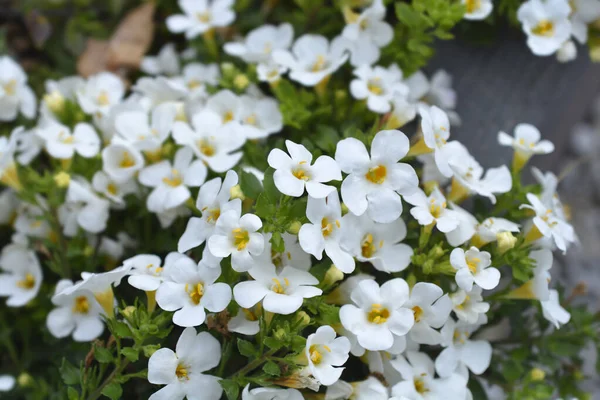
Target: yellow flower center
[
  {"x": 251, "y": 119},
  {"x": 182, "y": 372},
  {"x": 203, "y": 17},
  {"x": 193, "y": 84},
  {"x": 327, "y": 227},
  {"x": 319, "y": 64},
  {"x": 81, "y": 305},
  {"x": 156, "y": 271},
  {"x": 103, "y": 99},
  {"x": 10, "y": 87},
  {"x": 316, "y": 355},
  {"x": 112, "y": 188},
  {"x": 206, "y": 147},
  {"x": 213, "y": 214},
  {"x": 418, "y": 313},
  {"x": 249, "y": 315},
  {"x": 472, "y": 263},
  {"x": 195, "y": 292},
  {"x": 436, "y": 209},
  {"x": 368, "y": 248},
  {"x": 544, "y": 28},
  {"x": 374, "y": 86},
  {"x": 278, "y": 287},
  {"x": 240, "y": 238},
  {"x": 127, "y": 160},
  {"x": 378, "y": 314},
  {"x": 472, "y": 5},
  {"x": 420, "y": 386},
  {"x": 460, "y": 337},
  {"x": 300, "y": 173},
  {"x": 27, "y": 283},
  {"x": 174, "y": 180},
  {"x": 377, "y": 174},
  {"x": 228, "y": 116}
]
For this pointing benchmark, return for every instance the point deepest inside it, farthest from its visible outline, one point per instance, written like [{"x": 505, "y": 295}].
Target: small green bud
[
  {"x": 303, "y": 319},
  {"x": 241, "y": 81},
  {"x": 506, "y": 241},
  {"x": 537, "y": 374},
  {"x": 332, "y": 276},
  {"x": 236, "y": 193},
  {"x": 279, "y": 334},
  {"x": 128, "y": 311},
  {"x": 24, "y": 379},
  {"x": 294, "y": 227}
]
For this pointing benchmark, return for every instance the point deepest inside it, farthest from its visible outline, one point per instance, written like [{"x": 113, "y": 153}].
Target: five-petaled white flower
[
  {"x": 197, "y": 76},
  {"x": 21, "y": 276},
  {"x": 294, "y": 172},
  {"x": 378, "y": 316},
  {"x": 260, "y": 43},
  {"x": 553, "y": 311},
  {"x": 374, "y": 182},
  {"x": 15, "y": 95},
  {"x": 433, "y": 209},
  {"x": 188, "y": 288},
  {"x": 83, "y": 208},
  {"x": 146, "y": 133},
  {"x": 281, "y": 292},
  {"x": 473, "y": 267},
  {"x": 546, "y": 24},
  {"x": 431, "y": 308},
  {"x": 324, "y": 231},
  {"x": 121, "y": 161},
  {"x": 469, "y": 307},
  {"x": 182, "y": 370},
  {"x": 201, "y": 16},
  {"x": 525, "y": 143},
  {"x": 237, "y": 235},
  {"x": 379, "y": 86},
  {"x": 99, "y": 93},
  {"x": 61, "y": 143},
  {"x": 549, "y": 224},
  {"x": 165, "y": 62},
  {"x": 477, "y": 9},
  {"x": 270, "y": 394},
  {"x": 326, "y": 354},
  {"x": 313, "y": 58}
]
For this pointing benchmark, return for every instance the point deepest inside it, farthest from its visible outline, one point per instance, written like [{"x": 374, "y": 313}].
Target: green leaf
[
  {"x": 102, "y": 354},
  {"x": 277, "y": 242},
  {"x": 69, "y": 373},
  {"x": 272, "y": 343},
  {"x": 477, "y": 390},
  {"x": 149, "y": 349},
  {"x": 327, "y": 138},
  {"x": 130, "y": 353},
  {"x": 512, "y": 370},
  {"x": 231, "y": 388},
  {"x": 250, "y": 185},
  {"x": 271, "y": 368},
  {"x": 246, "y": 348},
  {"x": 122, "y": 330},
  {"x": 72, "y": 394},
  {"x": 113, "y": 391}
]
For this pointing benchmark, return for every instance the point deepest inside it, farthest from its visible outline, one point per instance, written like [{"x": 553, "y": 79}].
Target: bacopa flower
[
  {"x": 165, "y": 62},
  {"x": 83, "y": 209},
  {"x": 99, "y": 93},
  {"x": 326, "y": 354},
  {"x": 281, "y": 293},
  {"x": 477, "y": 9},
  {"x": 200, "y": 16},
  {"x": 246, "y": 321},
  {"x": 431, "y": 308},
  {"x": 271, "y": 393},
  {"x": 213, "y": 200},
  {"x": 546, "y": 24},
  {"x": 237, "y": 235},
  {"x": 182, "y": 370},
  {"x": 61, "y": 143},
  {"x": 77, "y": 313},
  {"x": 473, "y": 267},
  {"x": 111, "y": 189},
  {"x": 433, "y": 209},
  {"x": 469, "y": 306},
  {"x": 323, "y": 233},
  {"x": 188, "y": 288},
  {"x": 260, "y": 43},
  {"x": 435, "y": 127},
  {"x": 198, "y": 76},
  {"x": 294, "y": 172},
  {"x": 525, "y": 143},
  {"x": 547, "y": 223},
  {"x": 374, "y": 182},
  {"x": 15, "y": 95},
  {"x": 260, "y": 117},
  {"x": 146, "y": 134},
  {"x": 553, "y": 311},
  {"x": 21, "y": 275},
  {"x": 313, "y": 58},
  {"x": 460, "y": 350},
  {"x": 378, "y": 85},
  {"x": 378, "y": 314},
  {"x": 121, "y": 161}
]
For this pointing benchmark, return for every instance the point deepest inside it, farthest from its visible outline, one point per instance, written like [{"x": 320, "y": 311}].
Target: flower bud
[
  {"x": 55, "y": 101},
  {"x": 294, "y": 227},
  {"x": 303, "y": 318},
  {"x": 241, "y": 81},
  {"x": 506, "y": 241},
  {"x": 24, "y": 379},
  {"x": 537, "y": 374},
  {"x": 227, "y": 68},
  {"x": 128, "y": 311},
  {"x": 236, "y": 193},
  {"x": 332, "y": 276},
  {"x": 62, "y": 179},
  {"x": 279, "y": 334}
]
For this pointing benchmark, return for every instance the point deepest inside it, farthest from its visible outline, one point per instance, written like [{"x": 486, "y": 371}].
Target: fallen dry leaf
[{"x": 125, "y": 49}]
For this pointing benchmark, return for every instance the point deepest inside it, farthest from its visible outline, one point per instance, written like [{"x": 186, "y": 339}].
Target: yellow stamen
[
  {"x": 315, "y": 356},
  {"x": 377, "y": 174},
  {"x": 182, "y": 372},
  {"x": 277, "y": 287},
  {"x": 203, "y": 17},
  {"x": 228, "y": 117},
  {"x": 240, "y": 238},
  {"x": 418, "y": 311},
  {"x": 112, "y": 188},
  {"x": 195, "y": 292},
  {"x": 103, "y": 99},
  {"x": 472, "y": 5},
  {"x": 544, "y": 28},
  {"x": 301, "y": 173},
  {"x": 10, "y": 87},
  {"x": 175, "y": 179},
  {"x": 206, "y": 147},
  {"x": 193, "y": 84},
  {"x": 367, "y": 247},
  {"x": 420, "y": 386},
  {"x": 127, "y": 160},
  {"x": 319, "y": 64},
  {"x": 81, "y": 305},
  {"x": 27, "y": 283},
  {"x": 378, "y": 314},
  {"x": 326, "y": 227}
]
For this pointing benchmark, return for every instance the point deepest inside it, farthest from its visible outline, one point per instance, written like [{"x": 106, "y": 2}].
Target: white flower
[
  {"x": 281, "y": 293},
  {"x": 165, "y": 62},
  {"x": 378, "y": 85},
  {"x": 374, "y": 182},
  {"x": 100, "y": 92},
  {"x": 111, "y": 189},
  {"x": 197, "y": 76},
  {"x": 212, "y": 142},
  {"x": 77, "y": 313},
  {"x": 369, "y": 389},
  {"x": 83, "y": 208},
  {"x": 378, "y": 316},
  {"x": 553, "y": 311},
  {"x": 549, "y": 224},
  {"x": 189, "y": 288},
  {"x": 171, "y": 181},
  {"x": 294, "y": 172},
  {"x": 526, "y": 141},
  {"x": 488, "y": 230},
  {"x": 260, "y": 117},
  {"x": 546, "y": 23},
  {"x": 477, "y": 9},
  {"x": 15, "y": 95},
  {"x": 468, "y": 307},
  {"x": 246, "y": 321},
  {"x": 432, "y": 209},
  {"x": 270, "y": 72},
  {"x": 58, "y": 93},
  {"x": 537, "y": 287},
  {"x": 61, "y": 143},
  {"x": 121, "y": 161},
  {"x": 21, "y": 276},
  {"x": 437, "y": 91},
  {"x": 459, "y": 349},
  {"x": 28, "y": 145},
  {"x": 30, "y": 220},
  {"x": 583, "y": 12},
  {"x": 261, "y": 42},
  {"x": 160, "y": 90},
  {"x": 403, "y": 111},
  {"x": 293, "y": 256},
  {"x": 213, "y": 200},
  {"x": 323, "y": 232},
  {"x": 326, "y": 354},
  {"x": 146, "y": 271},
  {"x": 368, "y": 32},
  {"x": 237, "y": 235},
  {"x": 436, "y": 131},
  {"x": 7, "y": 383},
  {"x": 227, "y": 105},
  {"x": 431, "y": 308},
  {"x": 376, "y": 243},
  {"x": 182, "y": 370},
  {"x": 473, "y": 266},
  {"x": 468, "y": 176},
  {"x": 9, "y": 202},
  {"x": 313, "y": 58},
  {"x": 420, "y": 383},
  {"x": 567, "y": 52},
  {"x": 270, "y": 394},
  {"x": 135, "y": 127},
  {"x": 201, "y": 16}
]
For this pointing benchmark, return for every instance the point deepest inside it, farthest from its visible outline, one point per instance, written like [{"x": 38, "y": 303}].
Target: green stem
[
  {"x": 116, "y": 372},
  {"x": 251, "y": 366},
  {"x": 226, "y": 354}
]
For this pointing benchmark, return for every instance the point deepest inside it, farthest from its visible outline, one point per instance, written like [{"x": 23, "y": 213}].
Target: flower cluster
[{"x": 277, "y": 251}]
